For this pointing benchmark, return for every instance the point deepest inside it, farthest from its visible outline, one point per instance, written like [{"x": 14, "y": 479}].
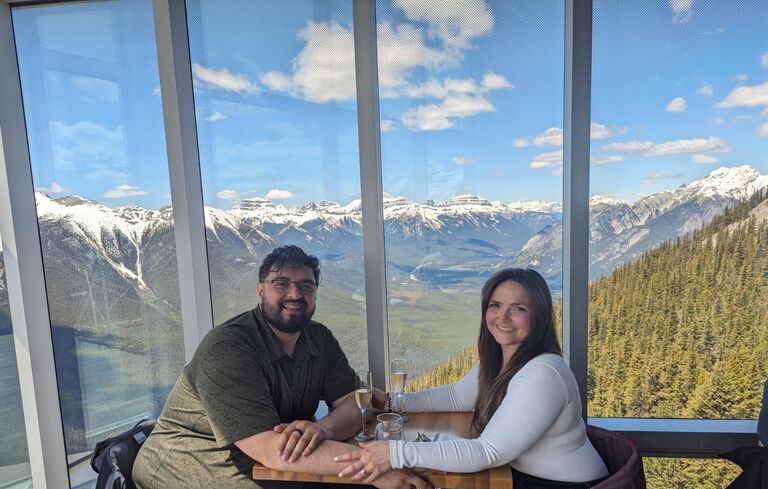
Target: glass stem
[{"x": 362, "y": 417}]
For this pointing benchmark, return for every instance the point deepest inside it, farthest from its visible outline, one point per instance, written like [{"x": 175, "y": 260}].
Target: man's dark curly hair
[{"x": 290, "y": 255}]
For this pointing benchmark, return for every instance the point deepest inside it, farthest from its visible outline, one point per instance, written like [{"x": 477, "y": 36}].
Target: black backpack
[{"x": 113, "y": 458}]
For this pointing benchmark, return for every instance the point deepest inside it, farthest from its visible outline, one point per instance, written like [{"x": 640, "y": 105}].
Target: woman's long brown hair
[{"x": 492, "y": 380}]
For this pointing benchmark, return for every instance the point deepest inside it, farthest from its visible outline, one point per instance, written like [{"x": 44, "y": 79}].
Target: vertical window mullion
[
  {"x": 578, "y": 72},
  {"x": 25, "y": 279},
  {"x": 184, "y": 169},
  {"x": 366, "y": 74}
]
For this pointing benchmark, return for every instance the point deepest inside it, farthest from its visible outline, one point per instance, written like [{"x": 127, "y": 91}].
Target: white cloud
[
  {"x": 706, "y": 90},
  {"x": 277, "y": 194},
  {"x": 745, "y": 96},
  {"x": 553, "y": 159},
  {"x": 227, "y": 194},
  {"x": 740, "y": 77},
  {"x": 677, "y": 104},
  {"x": 436, "y": 117},
  {"x": 494, "y": 81},
  {"x": 550, "y": 137},
  {"x": 461, "y": 161},
  {"x": 601, "y": 131},
  {"x": 55, "y": 188},
  {"x": 762, "y": 131},
  {"x": 223, "y": 79},
  {"x": 683, "y": 10},
  {"x": 216, "y": 116},
  {"x": 122, "y": 191},
  {"x": 401, "y": 49},
  {"x": 606, "y": 160},
  {"x": 436, "y": 89},
  {"x": 387, "y": 125},
  {"x": 764, "y": 60},
  {"x": 764, "y": 113},
  {"x": 717, "y": 120},
  {"x": 277, "y": 81},
  {"x": 156, "y": 91},
  {"x": 520, "y": 143},
  {"x": 651, "y": 179},
  {"x": 679, "y": 146},
  {"x": 85, "y": 142},
  {"x": 702, "y": 158},
  {"x": 460, "y": 98},
  {"x": 554, "y": 135},
  {"x": 324, "y": 70},
  {"x": 455, "y": 23}
]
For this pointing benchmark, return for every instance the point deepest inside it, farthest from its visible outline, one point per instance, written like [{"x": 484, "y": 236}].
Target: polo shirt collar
[{"x": 305, "y": 347}]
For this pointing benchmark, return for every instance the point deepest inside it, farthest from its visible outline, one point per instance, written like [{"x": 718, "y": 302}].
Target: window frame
[{"x": 26, "y": 284}]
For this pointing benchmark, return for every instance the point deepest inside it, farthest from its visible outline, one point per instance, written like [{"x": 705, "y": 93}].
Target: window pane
[
  {"x": 679, "y": 238},
  {"x": 277, "y": 128},
  {"x": 672, "y": 473},
  {"x": 94, "y": 118},
  {"x": 471, "y": 119},
  {"x": 14, "y": 455}
]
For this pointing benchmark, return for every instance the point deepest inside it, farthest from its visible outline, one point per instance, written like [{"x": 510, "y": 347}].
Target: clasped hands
[{"x": 372, "y": 461}]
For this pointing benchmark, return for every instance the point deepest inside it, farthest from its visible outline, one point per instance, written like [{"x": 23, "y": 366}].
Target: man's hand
[
  {"x": 298, "y": 438},
  {"x": 401, "y": 479},
  {"x": 369, "y": 463}
]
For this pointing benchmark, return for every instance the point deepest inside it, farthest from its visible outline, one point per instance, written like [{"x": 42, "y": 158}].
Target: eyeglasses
[{"x": 284, "y": 285}]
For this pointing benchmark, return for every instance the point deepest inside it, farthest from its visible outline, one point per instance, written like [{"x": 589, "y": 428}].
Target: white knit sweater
[{"x": 537, "y": 429}]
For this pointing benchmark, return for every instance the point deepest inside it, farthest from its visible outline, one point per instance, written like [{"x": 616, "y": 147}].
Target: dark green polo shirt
[{"x": 239, "y": 383}]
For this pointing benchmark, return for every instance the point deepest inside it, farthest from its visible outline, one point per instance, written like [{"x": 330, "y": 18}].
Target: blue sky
[{"x": 471, "y": 98}]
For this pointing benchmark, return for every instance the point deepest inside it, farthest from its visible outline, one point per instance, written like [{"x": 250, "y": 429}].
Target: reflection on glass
[
  {"x": 277, "y": 129},
  {"x": 14, "y": 456},
  {"x": 471, "y": 120},
  {"x": 94, "y": 118},
  {"x": 678, "y": 243}
]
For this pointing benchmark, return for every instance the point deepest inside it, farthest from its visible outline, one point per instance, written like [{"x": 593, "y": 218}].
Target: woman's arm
[
  {"x": 535, "y": 398},
  {"x": 454, "y": 397}
]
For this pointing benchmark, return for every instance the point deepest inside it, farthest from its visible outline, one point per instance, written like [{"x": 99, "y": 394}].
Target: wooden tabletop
[{"x": 453, "y": 424}]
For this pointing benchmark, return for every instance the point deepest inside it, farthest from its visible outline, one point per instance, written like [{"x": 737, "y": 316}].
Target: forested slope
[{"x": 682, "y": 332}]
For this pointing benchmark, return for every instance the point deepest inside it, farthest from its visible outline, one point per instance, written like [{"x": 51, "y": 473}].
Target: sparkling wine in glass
[
  {"x": 363, "y": 396},
  {"x": 397, "y": 379}
]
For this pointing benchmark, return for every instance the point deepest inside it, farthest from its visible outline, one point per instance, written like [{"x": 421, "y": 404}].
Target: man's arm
[
  {"x": 301, "y": 437},
  {"x": 343, "y": 422},
  {"x": 262, "y": 447}
]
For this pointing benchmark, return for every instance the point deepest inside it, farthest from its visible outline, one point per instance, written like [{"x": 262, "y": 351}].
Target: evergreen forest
[{"x": 681, "y": 332}]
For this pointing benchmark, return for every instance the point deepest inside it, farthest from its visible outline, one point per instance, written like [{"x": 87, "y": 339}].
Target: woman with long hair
[{"x": 527, "y": 409}]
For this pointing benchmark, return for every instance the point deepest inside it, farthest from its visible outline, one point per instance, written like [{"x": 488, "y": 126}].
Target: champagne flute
[
  {"x": 397, "y": 378},
  {"x": 363, "y": 396}
]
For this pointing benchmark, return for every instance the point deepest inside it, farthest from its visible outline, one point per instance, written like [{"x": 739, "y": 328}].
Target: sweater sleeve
[
  {"x": 535, "y": 398},
  {"x": 454, "y": 397}
]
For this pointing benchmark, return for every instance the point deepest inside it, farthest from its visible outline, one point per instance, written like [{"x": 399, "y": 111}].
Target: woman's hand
[
  {"x": 298, "y": 438},
  {"x": 369, "y": 463}
]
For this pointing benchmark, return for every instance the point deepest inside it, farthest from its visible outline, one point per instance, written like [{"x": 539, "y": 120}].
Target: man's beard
[{"x": 295, "y": 324}]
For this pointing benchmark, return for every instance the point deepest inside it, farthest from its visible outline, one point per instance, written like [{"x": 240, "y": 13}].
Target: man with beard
[{"x": 251, "y": 390}]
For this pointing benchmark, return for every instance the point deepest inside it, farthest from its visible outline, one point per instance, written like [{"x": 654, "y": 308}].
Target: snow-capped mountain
[
  {"x": 125, "y": 257},
  {"x": 621, "y": 231}
]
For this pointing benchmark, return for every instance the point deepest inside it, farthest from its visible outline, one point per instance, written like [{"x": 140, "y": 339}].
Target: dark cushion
[{"x": 621, "y": 457}]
